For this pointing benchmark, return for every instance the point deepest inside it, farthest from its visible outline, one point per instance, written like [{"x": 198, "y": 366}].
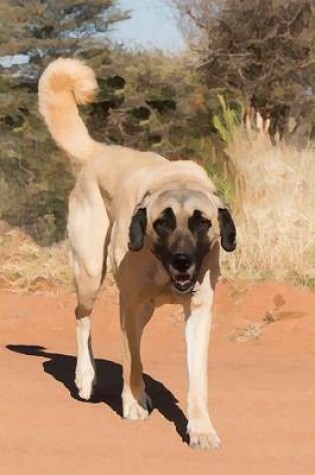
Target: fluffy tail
[{"x": 64, "y": 84}]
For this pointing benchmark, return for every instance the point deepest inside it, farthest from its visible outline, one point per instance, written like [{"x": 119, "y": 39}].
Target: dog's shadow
[{"x": 109, "y": 384}]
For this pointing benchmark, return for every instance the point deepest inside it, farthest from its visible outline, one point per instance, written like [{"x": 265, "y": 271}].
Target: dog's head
[{"x": 182, "y": 225}]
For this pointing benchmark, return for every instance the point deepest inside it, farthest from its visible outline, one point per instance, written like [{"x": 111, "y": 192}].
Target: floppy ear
[
  {"x": 227, "y": 229},
  {"x": 137, "y": 230}
]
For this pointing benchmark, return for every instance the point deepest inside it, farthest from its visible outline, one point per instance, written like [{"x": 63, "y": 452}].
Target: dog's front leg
[
  {"x": 198, "y": 314},
  {"x": 135, "y": 401},
  {"x": 85, "y": 368}
]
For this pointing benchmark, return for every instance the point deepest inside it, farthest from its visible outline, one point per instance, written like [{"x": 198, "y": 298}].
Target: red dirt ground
[{"x": 262, "y": 388}]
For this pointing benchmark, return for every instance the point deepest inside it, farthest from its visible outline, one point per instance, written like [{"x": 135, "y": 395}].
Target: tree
[
  {"x": 38, "y": 27},
  {"x": 34, "y": 179},
  {"x": 260, "y": 50}
]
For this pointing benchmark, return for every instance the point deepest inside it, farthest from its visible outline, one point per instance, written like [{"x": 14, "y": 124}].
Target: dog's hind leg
[
  {"x": 136, "y": 403},
  {"x": 88, "y": 229}
]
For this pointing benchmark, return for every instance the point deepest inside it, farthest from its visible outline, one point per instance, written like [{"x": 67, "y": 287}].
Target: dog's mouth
[{"x": 182, "y": 283}]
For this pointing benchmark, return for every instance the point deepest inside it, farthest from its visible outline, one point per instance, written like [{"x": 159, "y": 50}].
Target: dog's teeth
[{"x": 182, "y": 283}]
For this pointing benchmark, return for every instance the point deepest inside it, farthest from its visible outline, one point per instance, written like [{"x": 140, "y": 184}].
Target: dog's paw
[
  {"x": 85, "y": 383},
  {"x": 204, "y": 441},
  {"x": 133, "y": 411},
  {"x": 202, "y": 435},
  {"x": 136, "y": 411}
]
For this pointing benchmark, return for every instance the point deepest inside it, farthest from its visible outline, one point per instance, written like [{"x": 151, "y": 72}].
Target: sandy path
[{"x": 262, "y": 391}]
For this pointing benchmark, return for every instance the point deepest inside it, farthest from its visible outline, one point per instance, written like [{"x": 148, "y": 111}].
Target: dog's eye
[
  {"x": 164, "y": 223},
  {"x": 162, "y": 227},
  {"x": 203, "y": 225},
  {"x": 198, "y": 224}
]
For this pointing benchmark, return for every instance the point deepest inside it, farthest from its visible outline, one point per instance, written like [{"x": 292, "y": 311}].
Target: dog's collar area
[{"x": 189, "y": 291}]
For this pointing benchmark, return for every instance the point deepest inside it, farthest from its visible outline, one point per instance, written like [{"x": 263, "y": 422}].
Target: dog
[{"x": 159, "y": 223}]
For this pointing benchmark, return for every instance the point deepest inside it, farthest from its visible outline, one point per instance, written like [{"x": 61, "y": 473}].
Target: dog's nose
[{"x": 181, "y": 262}]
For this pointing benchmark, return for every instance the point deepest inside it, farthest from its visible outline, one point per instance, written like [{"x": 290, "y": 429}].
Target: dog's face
[{"x": 182, "y": 225}]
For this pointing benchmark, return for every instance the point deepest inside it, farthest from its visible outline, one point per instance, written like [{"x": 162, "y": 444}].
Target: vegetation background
[{"x": 241, "y": 57}]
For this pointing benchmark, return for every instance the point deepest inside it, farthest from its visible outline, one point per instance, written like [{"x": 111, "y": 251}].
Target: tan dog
[{"x": 159, "y": 222}]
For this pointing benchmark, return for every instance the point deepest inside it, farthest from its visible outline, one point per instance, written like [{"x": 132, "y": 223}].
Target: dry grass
[
  {"x": 25, "y": 265},
  {"x": 274, "y": 210}
]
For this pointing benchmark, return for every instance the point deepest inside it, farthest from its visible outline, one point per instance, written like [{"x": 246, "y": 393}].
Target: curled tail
[{"x": 64, "y": 84}]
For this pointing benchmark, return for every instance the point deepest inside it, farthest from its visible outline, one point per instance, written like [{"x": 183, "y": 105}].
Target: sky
[{"x": 151, "y": 26}]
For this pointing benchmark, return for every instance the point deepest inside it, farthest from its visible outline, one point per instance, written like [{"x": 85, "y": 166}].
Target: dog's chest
[{"x": 166, "y": 296}]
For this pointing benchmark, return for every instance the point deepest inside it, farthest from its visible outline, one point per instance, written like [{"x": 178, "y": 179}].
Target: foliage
[
  {"x": 262, "y": 51},
  {"x": 34, "y": 179},
  {"x": 228, "y": 121}
]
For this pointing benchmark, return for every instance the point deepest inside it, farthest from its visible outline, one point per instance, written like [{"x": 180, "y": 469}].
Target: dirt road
[{"x": 262, "y": 388}]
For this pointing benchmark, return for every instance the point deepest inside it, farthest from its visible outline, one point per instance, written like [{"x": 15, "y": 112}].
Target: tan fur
[{"x": 112, "y": 183}]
